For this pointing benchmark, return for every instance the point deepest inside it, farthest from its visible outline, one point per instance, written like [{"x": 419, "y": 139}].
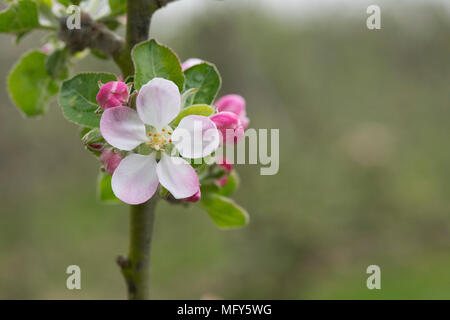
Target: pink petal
[
  {"x": 122, "y": 128},
  {"x": 232, "y": 103},
  {"x": 112, "y": 94},
  {"x": 190, "y": 63},
  {"x": 244, "y": 121},
  {"x": 196, "y": 137},
  {"x": 158, "y": 102},
  {"x": 195, "y": 197},
  {"x": 229, "y": 126},
  {"x": 177, "y": 176},
  {"x": 135, "y": 180},
  {"x": 110, "y": 160},
  {"x": 225, "y": 164}
]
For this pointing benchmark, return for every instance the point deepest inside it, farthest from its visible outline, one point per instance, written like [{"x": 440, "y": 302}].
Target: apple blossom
[
  {"x": 93, "y": 141},
  {"x": 48, "y": 48},
  {"x": 147, "y": 134},
  {"x": 143, "y": 139},
  {"x": 236, "y": 104},
  {"x": 112, "y": 94},
  {"x": 229, "y": 126},
  {"x": 110, "y": 160}
]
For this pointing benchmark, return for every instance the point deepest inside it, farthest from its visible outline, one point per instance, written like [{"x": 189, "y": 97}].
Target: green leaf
[
  {"x": 19, "y": 17},
  {"x": 186, "y": 95},
  {"x": 65, "y": 3},
  {"x": 118, "y": 7},
  {"x": 77, "y": 98},
  {"x": 199, "y": 109},
  {"x": 56, "y": 64},
  {"x": 209, "y": 188},
  {"x": 83, "y": 131},
  {"x": 110, "y": 22},
  {"x": 46, "y": 11},
  {"x": 104, "y": 190},
  {"x": 206, "y": 78},
  {"x": 224, "y": 211},
  {"x": 20, "y": 36},
  {"x": 29, "y": 84},
  {"x": 53, "y": 87},
  {"x": 164, "y": 193},
  {"x": 231, "y": 185},
  {"x": 99, "y": 54},
  {"x": 152, "y": 60}
]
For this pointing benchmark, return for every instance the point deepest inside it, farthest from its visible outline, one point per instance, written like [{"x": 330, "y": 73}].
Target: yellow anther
[{"x": 158, "y": 140}]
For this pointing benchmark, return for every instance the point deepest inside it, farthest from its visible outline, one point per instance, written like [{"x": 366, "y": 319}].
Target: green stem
[
  {"x": 139, "y": 15},
  {"x": 136, "y": 268}
]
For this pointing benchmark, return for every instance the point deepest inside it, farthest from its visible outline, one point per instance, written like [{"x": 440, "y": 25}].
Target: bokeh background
[{"x": 364, "y": 163}]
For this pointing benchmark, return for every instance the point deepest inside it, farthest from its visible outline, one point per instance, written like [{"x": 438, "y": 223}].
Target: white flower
[{"x": 137, "y": 177}]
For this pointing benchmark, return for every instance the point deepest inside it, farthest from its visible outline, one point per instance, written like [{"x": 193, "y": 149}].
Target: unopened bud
[
  {"x": 110, "y": 160},
  {"x": 96, "y": 147},
  {"x": 236, "y": 104},
  {"x": 195, "y": 197},
  {"x": 228, "y": 167},
  {"x": 190, "y": 63},
  {"x": 229, "y": 126},
  {"x": 113, "y": 94},
  {"x": 93, "y": 140}
]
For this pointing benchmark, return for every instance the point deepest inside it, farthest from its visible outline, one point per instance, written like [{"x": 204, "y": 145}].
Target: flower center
[{"x": 159, "y": 139}]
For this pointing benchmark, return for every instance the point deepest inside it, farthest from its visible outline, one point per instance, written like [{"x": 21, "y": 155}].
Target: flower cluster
[{"x": 144, "y": 147}]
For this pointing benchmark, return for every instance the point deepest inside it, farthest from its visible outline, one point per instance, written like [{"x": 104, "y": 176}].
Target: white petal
[
  {"x": 177, "y": 176},
  {"x": 135, "y": 180},
  {"x": 158, "y": 102},
  {"x": 122, "y": 128},
  {"x": 196, "y": 137}
]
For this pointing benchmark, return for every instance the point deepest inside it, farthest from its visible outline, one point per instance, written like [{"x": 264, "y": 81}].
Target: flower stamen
[{"x": 157, "y": 141}]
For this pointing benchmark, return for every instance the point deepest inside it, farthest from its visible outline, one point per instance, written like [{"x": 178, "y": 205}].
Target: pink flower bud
[
  {"x": 223, "y": 163},
  {"x": 194, "y": 198},
  {"x": 95, "y": 146},
  {"x": 110, "y": 160},
  {"x": 229, "y": 127},
  {"x": 190, "y": 63},
  {"x": 236, "y": 104},
  {"x": 112, "y": 94},
  {"x": 47, "y": 48}
]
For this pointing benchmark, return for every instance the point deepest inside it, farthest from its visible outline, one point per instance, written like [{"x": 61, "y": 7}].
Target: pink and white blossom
[
  {"x": 113, "y": 94},
  {"x": 229, "y": 126},
  {"x": 236, "y": 104},
  {"x": 136, "y": 178}
]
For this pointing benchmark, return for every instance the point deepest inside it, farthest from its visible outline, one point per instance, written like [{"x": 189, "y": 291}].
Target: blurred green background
[{"x": 364, "y": 167}]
